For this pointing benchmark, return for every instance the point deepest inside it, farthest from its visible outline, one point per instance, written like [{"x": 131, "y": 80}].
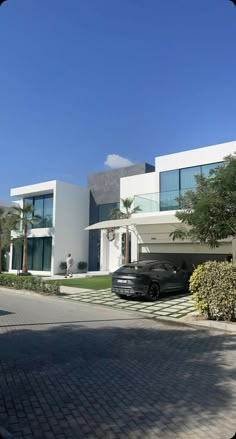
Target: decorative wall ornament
[{"x": 110, "y": 233}]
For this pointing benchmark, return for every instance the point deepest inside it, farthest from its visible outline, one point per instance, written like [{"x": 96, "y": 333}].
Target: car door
[
  {"x": 160, "y": 274},
  {"x": 177, "y": 277}
]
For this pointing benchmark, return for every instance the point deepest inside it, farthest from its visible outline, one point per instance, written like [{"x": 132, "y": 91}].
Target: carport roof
[{"x": 135, "y": 221}]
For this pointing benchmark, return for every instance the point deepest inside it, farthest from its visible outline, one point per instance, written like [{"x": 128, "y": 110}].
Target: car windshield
[{"x": 132, "y": 269}]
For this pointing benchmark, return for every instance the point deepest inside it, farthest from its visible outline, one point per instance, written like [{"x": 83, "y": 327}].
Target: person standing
[{"x": 69, "y": 265}]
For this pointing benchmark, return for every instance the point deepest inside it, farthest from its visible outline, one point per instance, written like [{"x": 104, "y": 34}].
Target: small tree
[
  {"x": 208, "y": 213},
  {"x": 126, "y": 211},
  {"x": 24, "y": 216},
  {"x": 5, "y": 233}
]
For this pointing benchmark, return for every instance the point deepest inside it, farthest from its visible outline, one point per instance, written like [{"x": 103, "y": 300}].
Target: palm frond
[
  {"x": 136, "y": 209},
  {"x": 127, "y": 202}
]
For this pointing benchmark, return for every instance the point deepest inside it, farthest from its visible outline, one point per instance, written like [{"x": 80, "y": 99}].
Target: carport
[{"x": 150, "y": 239}]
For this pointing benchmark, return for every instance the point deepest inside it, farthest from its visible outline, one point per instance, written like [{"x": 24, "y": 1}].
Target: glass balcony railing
[
  {"x": 159, "y": 201},
  {"x": 147, "y": 202}
]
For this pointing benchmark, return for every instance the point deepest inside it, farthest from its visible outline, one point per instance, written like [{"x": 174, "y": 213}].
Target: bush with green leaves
[
  {"x": 82, "y": 266},
  {"x": 31, "y": 283},
  {"x": 213, "y": 285},
  {"x": 63, "y": 266}
]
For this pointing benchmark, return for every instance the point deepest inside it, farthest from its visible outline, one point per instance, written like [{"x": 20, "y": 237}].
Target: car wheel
[
  {"x": 153, "y": 292},
  {"x": 121, "y": 296},
  {"x": 186, "y": 288}
]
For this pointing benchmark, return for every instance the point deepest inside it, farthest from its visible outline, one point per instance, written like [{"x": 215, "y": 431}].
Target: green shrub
[
  {"x": 82, "y": 265},
  {"x": 31, "y": 283},
  {"x": 213, "y": 285},
  {"x": 63, "y": 265}
]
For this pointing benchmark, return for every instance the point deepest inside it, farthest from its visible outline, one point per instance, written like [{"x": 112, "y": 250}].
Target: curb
[
  {"x": 5, "y": 435},
  {"x": 205, "y": 324}
]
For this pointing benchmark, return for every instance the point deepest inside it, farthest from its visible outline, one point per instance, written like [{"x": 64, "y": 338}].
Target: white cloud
[{"x": 115, "y": 161}]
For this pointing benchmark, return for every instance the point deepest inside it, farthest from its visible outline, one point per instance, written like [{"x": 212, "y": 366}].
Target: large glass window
[
  {"x": 39, "y": 251},
  {"x": 47, "y": 254},
  {"x": 43, "y": 206},
  {"x": 48, "y": 210},
  {"x": 169, "y": 181},
  {"x": 38, "y": 210},
  {"x": 176, "y": 182},
  {"x": 37, "y": 256},
  {"x": 105, "y": 211},
  {"x": 187, "y": 177},
  {"x": 169, "y": 189},
  {"x": 17, "y": 255},
  {"x": 207, "y": 168},
  {"x": 29, "y": 253}
]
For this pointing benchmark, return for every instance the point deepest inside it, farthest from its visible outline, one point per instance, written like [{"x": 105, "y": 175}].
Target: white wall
[
  {"x": 149, "y": 183},
  {"x": 193, "y": 157},
  {"x": 110, "y": 252},
  {"x": 71, "y": 217},
  {"x": 34, "y": 189},
  {"x": 137, "y": 184},
  {"x": 185, "y": 248}
]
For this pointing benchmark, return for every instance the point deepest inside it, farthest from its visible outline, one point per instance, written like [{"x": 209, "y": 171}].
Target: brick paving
[
  {"x": 173, "y": 306},
  {"x": 69, "y": 370}
]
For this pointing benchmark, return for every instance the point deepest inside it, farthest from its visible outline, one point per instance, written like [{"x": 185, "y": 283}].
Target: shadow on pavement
[
  {"x": 5, "y": 313},
  {"x": 112, "y": 382}
]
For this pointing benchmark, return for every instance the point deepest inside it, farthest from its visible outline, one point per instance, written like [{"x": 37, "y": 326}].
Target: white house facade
[
  {"x": 75, "y": 219},
  {"x": 155, "y": 193},
  {"x": 64, "y": 212}
]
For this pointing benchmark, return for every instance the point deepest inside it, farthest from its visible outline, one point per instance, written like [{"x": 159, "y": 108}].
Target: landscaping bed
[{"x": 31, "y": 283}]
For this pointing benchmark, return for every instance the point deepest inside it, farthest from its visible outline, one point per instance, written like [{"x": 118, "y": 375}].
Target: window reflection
[
  {"x": 176, "y": 182},
  {"x": 105, "y": 211},
  {"x": 43, "y": 206}
]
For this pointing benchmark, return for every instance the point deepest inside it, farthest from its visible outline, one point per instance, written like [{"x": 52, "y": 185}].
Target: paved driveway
[
  {"x": 175, "y": 306},
  {"x": 72, "y": 370}
]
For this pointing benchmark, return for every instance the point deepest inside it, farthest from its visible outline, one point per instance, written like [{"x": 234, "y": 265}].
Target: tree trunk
[
  {"x": 24, "y": 262},
  {"x": 127, "y": 245}
]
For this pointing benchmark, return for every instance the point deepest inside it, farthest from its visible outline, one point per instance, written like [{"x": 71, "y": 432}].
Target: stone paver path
[
  {"x": 175, "y": 306},
  {"x": 69, "y": 370}
]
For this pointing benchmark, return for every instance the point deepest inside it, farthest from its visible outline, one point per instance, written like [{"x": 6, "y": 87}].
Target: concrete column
[{"x": 234, "y": 250}]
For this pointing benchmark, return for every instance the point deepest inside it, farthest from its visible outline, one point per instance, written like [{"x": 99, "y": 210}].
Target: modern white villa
[
  {"x": 75, "y": 219},
  {"x": 64, "y": 209},
  {"x": 155, "y": 193}
]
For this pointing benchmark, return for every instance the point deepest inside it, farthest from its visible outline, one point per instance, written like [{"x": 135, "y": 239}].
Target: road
[{"x": 73, "y": 370}]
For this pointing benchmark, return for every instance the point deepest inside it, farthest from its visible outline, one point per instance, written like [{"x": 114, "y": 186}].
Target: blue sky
[{"x": 84, "y": 79}]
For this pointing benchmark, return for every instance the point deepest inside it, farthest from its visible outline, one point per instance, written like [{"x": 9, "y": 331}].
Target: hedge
[
  {"x": 31, "y": 283},
  {"x": 213, "y": 285}
]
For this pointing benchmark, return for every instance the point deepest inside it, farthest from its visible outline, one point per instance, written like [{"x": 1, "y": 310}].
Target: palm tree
[
  {"x": 24, "y": 216},
  {"x": 125, "y": 212}
]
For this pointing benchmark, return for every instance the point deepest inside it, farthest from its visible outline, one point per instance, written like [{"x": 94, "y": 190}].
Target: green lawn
[{"x": 93, "y": 283}]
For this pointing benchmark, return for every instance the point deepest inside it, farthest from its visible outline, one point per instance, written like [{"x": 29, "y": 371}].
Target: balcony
[{"x": 158, "y": 201}]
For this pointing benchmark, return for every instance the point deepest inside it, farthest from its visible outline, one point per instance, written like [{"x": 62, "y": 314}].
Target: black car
[{"x": 149, "y": 279}]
